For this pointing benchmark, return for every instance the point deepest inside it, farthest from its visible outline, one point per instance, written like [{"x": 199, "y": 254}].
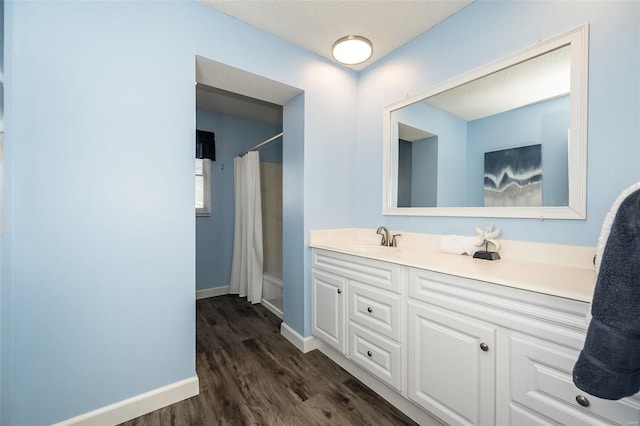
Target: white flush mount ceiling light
[{"x": 352, "y": 50}]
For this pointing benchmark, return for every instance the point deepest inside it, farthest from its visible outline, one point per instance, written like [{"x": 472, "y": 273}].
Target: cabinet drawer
[
  {"x": 541, "y": 380},
  {"x": 380, "y": 274},
  {"x": 548, "y": 317},
  {"x": 379, "y": 310},
  {"x": 377, "y": 355}
]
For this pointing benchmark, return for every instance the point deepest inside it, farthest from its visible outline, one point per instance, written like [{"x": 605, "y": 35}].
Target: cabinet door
[
  {"x": 451, "y": 371},
  {"x": 328, "y": 309},
  {"x": 539, "y": 382}
]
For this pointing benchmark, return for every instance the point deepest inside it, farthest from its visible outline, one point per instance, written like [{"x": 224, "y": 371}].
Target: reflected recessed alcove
[{"x": 417, "y": 186}]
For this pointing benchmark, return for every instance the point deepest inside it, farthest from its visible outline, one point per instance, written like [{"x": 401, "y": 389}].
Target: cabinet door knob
[
  {"x": 369, "y": 309},
  {"x": 582, "y": 400},
  {"x": 339, "y": 291},
  {"x": 369, "y": 353},
  {"x": 484, "y": 347}
]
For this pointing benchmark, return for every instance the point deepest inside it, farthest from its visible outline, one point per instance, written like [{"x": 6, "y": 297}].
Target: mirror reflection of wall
[
  {"x": 417, "y": 167},
  {"x": 525, "y": 104},
  {"x": 445, "y": 164},
  {"x": 544, "y": 123}
]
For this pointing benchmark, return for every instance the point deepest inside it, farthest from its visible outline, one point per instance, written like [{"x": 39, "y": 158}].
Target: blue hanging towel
[{"x": 609, "y": 364}]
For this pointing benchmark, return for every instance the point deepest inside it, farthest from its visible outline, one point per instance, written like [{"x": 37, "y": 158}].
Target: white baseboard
[
  {"x": 271, "y": 308},
  {"x": 304, "y": 344},
  {"x": 212, "y": 292},
  {"x": 138, "y": 405}
]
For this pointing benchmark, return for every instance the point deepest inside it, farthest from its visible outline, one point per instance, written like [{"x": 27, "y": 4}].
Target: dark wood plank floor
[{"x": 250, "y": 375}]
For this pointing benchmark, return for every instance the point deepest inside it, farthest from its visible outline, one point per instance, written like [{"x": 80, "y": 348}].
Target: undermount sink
[{"x": 370, "y": 248}]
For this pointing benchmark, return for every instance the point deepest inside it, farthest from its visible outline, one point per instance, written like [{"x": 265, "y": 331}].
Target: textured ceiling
[{"x": 316, "y": 24}]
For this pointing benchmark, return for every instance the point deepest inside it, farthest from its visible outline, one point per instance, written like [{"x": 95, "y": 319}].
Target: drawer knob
[
  {"x": 369, "y": 353},
  {"x": 484, "y": 346},
  {"x": 339, "y": 291},
  {"x": 369, "y": 309},
  {"x": 582, "y": 400}
]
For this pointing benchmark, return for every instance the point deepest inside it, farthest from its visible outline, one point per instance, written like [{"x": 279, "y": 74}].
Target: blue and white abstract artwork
[{"x": 513, "y": 177}]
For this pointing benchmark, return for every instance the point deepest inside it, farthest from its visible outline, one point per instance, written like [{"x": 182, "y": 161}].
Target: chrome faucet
[{"x": 386, "y": 241}]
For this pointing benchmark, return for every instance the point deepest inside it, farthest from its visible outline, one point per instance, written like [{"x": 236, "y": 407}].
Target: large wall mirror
[{"x": 505, "y": 140}]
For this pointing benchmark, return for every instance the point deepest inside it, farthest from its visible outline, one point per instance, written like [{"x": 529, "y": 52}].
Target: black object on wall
[{"x": 205, "y": 145}]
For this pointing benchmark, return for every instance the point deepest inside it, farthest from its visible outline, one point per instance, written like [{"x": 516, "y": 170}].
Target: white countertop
[{"x": 527, "y": 266}]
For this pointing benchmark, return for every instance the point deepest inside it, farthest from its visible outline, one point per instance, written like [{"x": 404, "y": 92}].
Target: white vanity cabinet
[
  {"x": 528, "y": 381},
  {"x": 360, "y": 298},
  {"x": 464, "y": 351}
]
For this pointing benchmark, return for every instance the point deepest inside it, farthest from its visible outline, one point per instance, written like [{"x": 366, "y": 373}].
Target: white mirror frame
[{"x": 577, "y": 155}]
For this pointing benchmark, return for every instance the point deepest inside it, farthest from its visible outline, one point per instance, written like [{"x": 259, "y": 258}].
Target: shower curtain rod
[{"x": 263, "y": 143}]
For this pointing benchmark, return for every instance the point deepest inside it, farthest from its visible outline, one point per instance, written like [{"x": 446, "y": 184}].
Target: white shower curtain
[{"x": 246, "y": 269}]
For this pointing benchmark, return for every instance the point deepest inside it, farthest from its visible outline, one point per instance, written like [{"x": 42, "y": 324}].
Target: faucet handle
[{"x": 394, "y": 241}]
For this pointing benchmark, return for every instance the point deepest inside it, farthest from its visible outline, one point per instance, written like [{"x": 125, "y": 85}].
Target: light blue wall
[
  {"x": 6, "y": 294},
  {"x": 5, "y": 326},
  {"x": 543, "y": 123},
  {"x": 99, "y": 251},
  {"x": 214, "y": 234},
  {"x": 2, "y": 64},
  {"x": 486, "y": 31},
  {"x": 295, "y": 262}
]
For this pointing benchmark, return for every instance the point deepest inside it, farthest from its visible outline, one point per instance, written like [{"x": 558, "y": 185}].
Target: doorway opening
[{"x": 243, "y": 110}]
